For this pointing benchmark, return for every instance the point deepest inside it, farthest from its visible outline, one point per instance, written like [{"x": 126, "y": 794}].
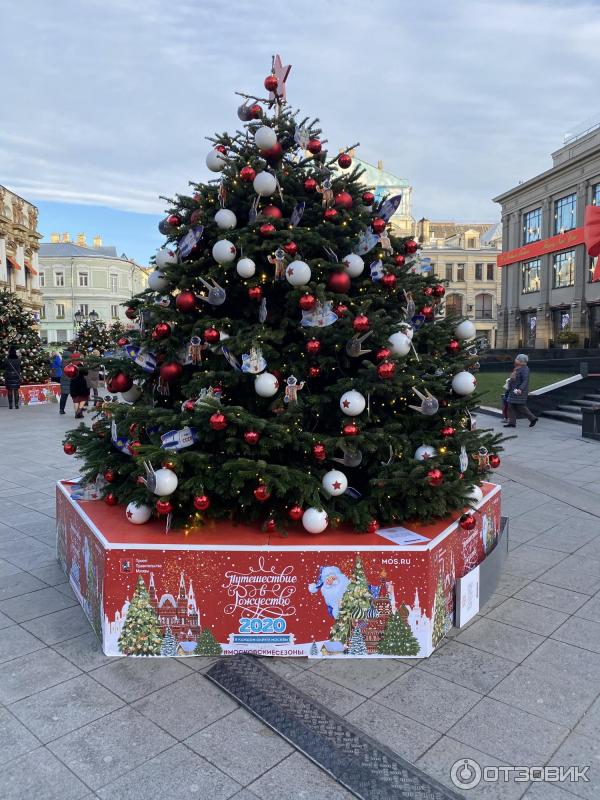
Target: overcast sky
[{"x": 107, "y": 102}]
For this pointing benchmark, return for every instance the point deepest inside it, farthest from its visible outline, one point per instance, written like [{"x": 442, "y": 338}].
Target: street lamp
[
  {"x": 94, "y": 317},
  {"x": 78, "y": 317}
]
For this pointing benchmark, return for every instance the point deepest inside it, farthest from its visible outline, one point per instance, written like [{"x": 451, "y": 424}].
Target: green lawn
[{"x": 490, "y": 384}]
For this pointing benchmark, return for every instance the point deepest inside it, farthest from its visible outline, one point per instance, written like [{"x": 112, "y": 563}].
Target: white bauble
[
  {"x": 265, "y": 138},
  {"x": 266, "y": 384},
  {"x": 165, "y": 256},
  {"x": 465, "y": 330},
  {"x": 464, "y": 383},
  {"x": 353, "y": 264},
  {"x": 315, "y": 520},
  {"x": 334, "y": 482},
  {"x": 216, "y": 161},
  {"x": 223, "y": 251},
  {"x": 407, "y": 330},
  {"x": 298, "y": 273},
  {"x": 132, "y": 395},
  {"x": 137, "y": 514},
  {"x": 352, "y": 403},
  {"x": 400, "y": 343},
  {"x": 157, "y": 281},
  {"x": 225, "y": 219},
  {"x": 475, "y": 495},
  {"x": 425, "y": 452},
  {"x": 265, "y": 184},
  {"x": 165, "y": 482},
  {"x": 245, "y": 268}
]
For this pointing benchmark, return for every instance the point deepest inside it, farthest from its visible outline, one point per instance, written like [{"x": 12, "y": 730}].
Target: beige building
[
  {"x": 19, "y": 246},
  {"x": 465, "y": 257}
]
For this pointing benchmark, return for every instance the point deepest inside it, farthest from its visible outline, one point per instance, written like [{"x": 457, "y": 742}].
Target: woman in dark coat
[
  {"x": 79, "y": 391},
  {"x": 516, "y": 394},
  {"x": 12, "y": 376}
]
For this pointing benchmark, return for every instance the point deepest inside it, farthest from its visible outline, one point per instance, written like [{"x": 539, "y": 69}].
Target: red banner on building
[{"x": 536, "y": 249}]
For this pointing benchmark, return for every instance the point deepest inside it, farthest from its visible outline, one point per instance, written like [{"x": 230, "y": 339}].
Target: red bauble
[
  {"x": 123, "y": 341},
  {"x": 271, "y": 83},
  {"x": 189, "y": 405},
  {"x": 467, "y": 522},
  {"x": 361, "y": 323},
  {"x": 314, "y": 372},
  {"x": 378, "y": 225},
  {"x": 247, "y": 174},
  {"x": 270, "y": 526},
  {"x": 163, "y": 507},
  {"x": 196, "y": 216},
  {"x": 411, "y": 246},
  {"x": 448, "y": 432},
  {"x": 266, "y": 229},
  {"x": 173, "y": 220},
  {"x": 201, "y": 502},
  {"x": 121, "y": 382},
  {"x": 373, "y": 526},
  {"x": 272, "y": 211},
  {"x": 162, "y": 330},
  {"x": 221, "y": 148},
  {"x": 340, "y": 310},
  {"x": 295, "y": 513},
  {"x": 211, "y": 335},
  {"x": 399, "y": 260},
  {"x": 428, "y": 291},
  {"x": 186, "y": 302},
  {"x": 69, "y": 448},
  {"x": 330, "y": 214},
  {"x": 313, "y": 347},
  {"x": 252, "y": 437},
  {"x": 307, "y": 302},
  {"x": 368, "y": 198},
  {"x": 291, "y": 248},
  {"x": 218, "y": 421},
  {"x": 110, "y": 499},
  {"x": 389, "y": 281},
  {"x": 70, "y": 370},
  {"x": 383, "y": 353},
  {"x": 133, "y": 429},
  {"x": 439, "y": 290},
  {"x": 386, "y": 370},
  {"x": 109, "y": 475},
  {"x": 344, "y": 160},
  {"x": 155, "y": 337},
  {"x": 262, "y": 493},
  {"x": 339, "y": 282},
  {"x": 428, "y": 312},
  {"x": 273, "y": 153},
  {"x": 255, "y": 111},
  {"x": 453, "y": 347},
  {"x": 343, "y": 200},
  {"x": 494, "y": 461},
  {"x": 255, "y": 293},
  {"x": 435, "y": 477},
  {"x": 310, "y": 185},
  {"x": 319, "y": 452},
  {"x": 314, "y": 146},
  {"x": 171, "y": 371},
  {"x": 134, "y": 447},
  {"x": 131, "y": 313},
  {"x": 350, "y": 429}
]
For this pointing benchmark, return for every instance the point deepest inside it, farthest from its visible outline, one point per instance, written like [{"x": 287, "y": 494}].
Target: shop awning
[
  {"x": 12, "y": 263},
  {"x": 29, "y": 268}
]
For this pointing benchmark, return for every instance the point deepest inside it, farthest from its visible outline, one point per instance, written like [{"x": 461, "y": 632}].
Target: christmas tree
[
  {"x": 354, "y": 605},
  {"x": 313, "y": 649},
  {"x": 207, "y": 644},
  {"x": 169, "y": 645},
  {"x": 439, "y": 613},
  {"x": 18, "y": 327},
  {"x": 141, "y": 634},
  {"x": 398, "y": 639},
  {"x": 96, "y": 335},
  {"x": 289, "y": 350},
  {"x": 357, "y": 643}
]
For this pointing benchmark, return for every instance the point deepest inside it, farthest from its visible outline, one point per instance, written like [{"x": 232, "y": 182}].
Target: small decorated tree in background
[
  {"x": 18, "y": 327},
  {"x": 169, "y": 645},
  {"x": 357, "y": 643},
  {"x": 94, "y": 335},
  {"x": 398, "y": 639},
  {"x": 141, "y": 635},
  {"x": 439, "y": 613},
  {"x": 207, "y": 644},
  {"x": 354, "y": 604}
]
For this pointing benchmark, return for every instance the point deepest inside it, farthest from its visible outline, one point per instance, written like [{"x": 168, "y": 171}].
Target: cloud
[{"x": 111, "y": 99}]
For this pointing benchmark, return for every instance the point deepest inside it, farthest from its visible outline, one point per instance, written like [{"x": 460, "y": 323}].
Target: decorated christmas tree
[
  {"x": 313, "y": 649},
  {"x": 169, "y": 645},
  {"x": 357, "y": 643},
  {"x": 398, "y": 639},
  {"x": 96, "y": 335},
  {"x": 141, "y": 635},
  {"x": 354, "y": 605},
  {"x": 291, "y": 355},
  {"x": 18, "y": 327},
  {"x": 439, "y": 613},
  {"x": 207, "y": 644}
]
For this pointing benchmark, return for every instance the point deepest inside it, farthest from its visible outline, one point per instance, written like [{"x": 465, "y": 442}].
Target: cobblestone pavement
[{"x": 519, "y": 685}]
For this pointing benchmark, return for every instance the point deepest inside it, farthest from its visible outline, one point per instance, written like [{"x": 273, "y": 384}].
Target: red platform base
[
  {"x": 225, "y": 589},
  {"x": 34, "y": 394}
]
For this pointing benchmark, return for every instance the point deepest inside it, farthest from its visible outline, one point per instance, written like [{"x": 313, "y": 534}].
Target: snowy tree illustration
[
  {"x": 357, "y": 643},
  {"x": 439, "y": 613},
  {"x": 141, "y": 635},
  {"x": 169, "y": 645},
  {"x": 207, "y": 644},
  {"x": 354, "y": 604},
  {"x": 398, "y": 639},
  {"x": 313, "y": 649}
]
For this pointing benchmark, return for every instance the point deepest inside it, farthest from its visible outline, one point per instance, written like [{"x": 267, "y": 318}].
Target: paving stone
[
  {"x": 568, "y": 578},
  {"x": 37, "y": 555},
  {"x": 589, "y": 724},
  {"x": 15, "y": 739},
  {"x": 53, "y": 574},
  {"x": 5, "y": 621},
  {"x": 35, "y": 604},
  {"x": 132, "y": 678},
  {"x": 18, "y": 583},
  {"x": 423, "y": 696},
  {"x": 22, "y": 677},
  {"x": 284, "y": 667},
  {"x": 553, "y": 597},
  {"x": 590, "y": 609},
  {"x": 468, "y": 666},
  {"x": 15, "y": 642},
  {"x": 334, "y": 696},
  {"x": 85, "y": 652},
  {"x": 588, "y": 564},
  {"x": 568, "y": 662},
  {"x": 510, "y": 584},
  {"x": 528, "y": 616},
  {"x": 581, "y": 632},
  {"x": 531, "y": 562},
  {"x": 110, "y": 747},
  {"x": 240, "y": 745},
  {"x": 6, "y": 569},
  {"x": 363, "y": 676},
  {"x": 39, "y": 775},
  {"x": 59, "y": 626},
  {"x": 187, "y": 705},
  {"x": 564, "y": 538},
  {"x": 70, "y": 705},
  {"x": 579, "y": 750},
  {"x": 547, "y": 791},
  {"x": 500, "y": 639},
  {"x": 297, "y": 778},
  {"x": 508, "y": 733}
]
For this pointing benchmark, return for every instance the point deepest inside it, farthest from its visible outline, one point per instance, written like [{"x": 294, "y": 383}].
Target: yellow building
[{"x": 19, "y": 247}]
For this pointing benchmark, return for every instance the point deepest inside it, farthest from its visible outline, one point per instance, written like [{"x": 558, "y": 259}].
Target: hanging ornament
[
  {"x": 292, "y": 387},
  {"x": 353, "y": 264},
  {"x": 310, "y": 185},
  {"x": 253, "y": 362},
  {"x": 383, "y": 353},
  {"x": 350, "y": 429},
  {"x": 319, "y": 452},
  {"x": 352, "y": 403},
  {"x": 428, "y": 291},
  {"x": 121, "y": 382},
  {"x": 339, "y": 282},
  {"x": 425, "y": 452},
  {"x": 245, "y": 267},
  {"x": 315, "y": 520},
  {"x": 340, "y": 310},
  {"x": 173, "y": 220},
  {"x": 225, "y": 219},
  {"x": 399, "y": 260},
  {"x": 314, "y": 371},
  {"x": 69, "y": 448},
  {"x": 386, "y": 370},
  {"x": 482, "y": 457},
  {"x": 326, "y": 193},
  {"x": 196, "y": 216},
  {"x": 163, "y": 507},
  {"x": 453, "y": 347},
  {"x": 448, "y": 432},
  {"x": 218, "y": 421},
  {"x": 186, "y": 302},
  {"x": 439, "y": 290},
  {"x": 429, "y": 404},
  {"x": 201, "y": 502},
  {"x": 110, "y": 499},
  {"x": 278, "y": 260},
  {"x": 378, "y": 225},
  {"x": 138, "y": 513},
  {"x": 271, "y": 83},
  {"x": 334, "y": 482},
  {"x": 195, "y": 349},
  {"x": 216, "y": 161},
  {"x": 262, "y": 493},
  {"x": 313, "y": 347},
  {"x": 295, "y": 513},
  {"x": 368, "y": 198},
  {"x": 265, "y": 137},
  {"x": 314, "y": 146},
  {"x": 165, "y": 257},
  {"x": 265, "y": 184},
  {"x": 411, "y": 246},
  {"x": 330, "y": 214},
  {"x": 266, "y": 384},
  {"x": 252, "y": 437},
  {"x": 298, "y": 273},
  {"x": 109, "y": 475},
  {"x": 162, "y": 330},
  {"x": 343, "y": 200},
  {"x": 467, "y": 522},
  {"x": 266, "y": 230},
  {"x": 211, "y": 335},
  {"x": 270, "y": 525},
  {"x": 164, "y": 483},
  {"x": 273, "y": 154},
  {"x": 157, "y": 281},
  {"x": 291, "y": 248},
  {"x": 130, "y": 313},
  {"x": 494, "y": 461},
  {"x": 344, "y": 160},
  {"x": 255, "y": 293},
  {"x": 223, "y": 251},
  {"x": 400, "y": 343},
  {"x": 464, "y": 383},
  {"x": 247, "y": 174},
  {"x": 361, "y": 323},
  {"x": 307, "y": 302},
  {"x": 435, "y": 477},
  {"x": 354, "y": 346},
  {"x": 428, "y": 313},
  {"x": 475, "y": 495},
  {"x": 465, "y": 330},
  {"x": 389, "y": 280},
  {"x": 272, "y": 211}
]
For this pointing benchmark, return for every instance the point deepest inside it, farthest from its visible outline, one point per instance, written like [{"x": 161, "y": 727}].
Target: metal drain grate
[{"x": 366, "y": 768}]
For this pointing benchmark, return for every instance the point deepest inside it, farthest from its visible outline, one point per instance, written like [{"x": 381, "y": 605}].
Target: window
[
  {"x": 564, "y": 269},
  {"x": 83, "y": 307},
  {"x": 478, "y": 272},
  {"x": 471, "y": 243},
  {"x": 490, "y": 272},
  {"x": 59, "y": 278},
  {"x": 529, "y": 322},
  {"x": 593, "y": 269},
  {"x": 565, "y": 211},
  {"x": 454, "y": 305},
  {"x": 532, "y": 226},
  {"x": 114, "y": 312},
  {"x": 449, "y": 272},
  {"x": 60, "y": 311},
  {"x": 114, "y": 283},
  {"x": 483, "y": 306},
  {"x": 596, "y": 195},
  {"x": 460, "y": 272},
  {"x": 83, "y": 279},
  {"x": 43, "y": 312},
  {"x": 531, "y": 276},
  {"x": 42, "y": 280},
  {"x": 61, "y": 335}
]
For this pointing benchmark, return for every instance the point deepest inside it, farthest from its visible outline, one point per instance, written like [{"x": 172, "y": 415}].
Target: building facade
[
  {"x": 19, "y": 244},
  {"x": 384, "y": 184},
  {"x": 466, "y": 260},
  {"x": 547, "y": 288},
  {"x": 76, "y": 277}
]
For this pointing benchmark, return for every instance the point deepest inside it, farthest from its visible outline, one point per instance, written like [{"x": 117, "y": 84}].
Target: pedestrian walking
[
  {"x": 55, "y": 367},
  {"x": 65, "y": 382},
  {"x": 518, "y": 389},
  {"x": 79, "y": 391},
  {"x": 94, "y": 376},
  {"x": 12, "y": 376}
]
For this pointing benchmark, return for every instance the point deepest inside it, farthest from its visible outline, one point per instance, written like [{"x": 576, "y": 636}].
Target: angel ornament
[
  {"x": 278, "y": 260},
  {"x": 429, "y": 404},
  {"x": 327, "y": 192},
  {"x": 292, "y": 387}
]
